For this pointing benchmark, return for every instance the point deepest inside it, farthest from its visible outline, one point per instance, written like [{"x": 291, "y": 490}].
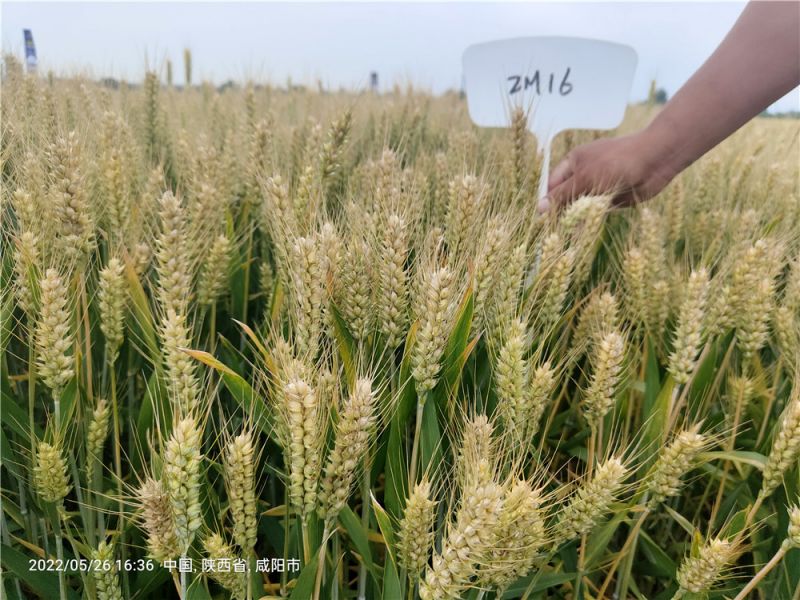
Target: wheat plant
[{"x": 320, "y": 345}]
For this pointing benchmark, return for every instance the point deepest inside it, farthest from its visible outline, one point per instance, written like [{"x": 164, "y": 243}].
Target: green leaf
[
  {"x": 9, "y": 459},
  {"x": 698, "y": 541},
  {"x": 656, "y": 426},
  {"x": 69, "y": 400},
  {"x": 304, "y": 584},
  {"x": 357, "y": 534},
  {"x": 254, "y": 339},
  {"x": 396, "y": 470},
  {"x": 255, "y": 579},
  {"x": 680, "y": 519},
  {"x": 457, "y": 350},
  {"x": 736, "y": 524},
  {"x": 15, "y": 417},
  {"x": 142, "y": 315},
  {"x": 408, "y": 394},
  {"x": 43, "y": 583},
  {"x": 652, "y": 380},
  {"x": 155, "y": 402},
  {"x": 543, "y": 582},
  {"x": 754, "y": 459},
  {"x": 251, "y": 403},
  {"x": 430, "y": 447},
  {"x": 385, "y": 525},
  {"x": 276, "y": 303},
  {"x": 656, "y": 556},
  {"x": 396, "y": 464},
  {"x": 346, "y": 345},
  {"x": 454, "y": 358},
  {"x": 597, "y": 543},
  {"x": 197, "y": 590},
  {"x": 147, "y": 581},
  {"x": 705, "y": 375},
  {"x": 392, "y": 588}
]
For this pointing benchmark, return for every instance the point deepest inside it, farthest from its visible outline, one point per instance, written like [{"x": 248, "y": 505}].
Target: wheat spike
[
  {"x": 182, "y": 462},
  {"x": 50, "y": 473},
  {"x": 239, "y": 460},
  {"x": 105, "y": 576},
  {"x": 354, "y": 432},
  {"x": 112, "y": 299}
]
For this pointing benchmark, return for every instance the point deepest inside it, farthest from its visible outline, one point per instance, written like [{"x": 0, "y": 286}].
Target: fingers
[
  {"x": 562, "y": 171},
  {"x": 624, "y": 199},
  {"x": 559, "y": 196},
  {"x": 558, "y": 177}
]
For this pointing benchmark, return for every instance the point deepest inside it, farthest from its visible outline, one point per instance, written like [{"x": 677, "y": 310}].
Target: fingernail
[{"x": 544, "y": 205}]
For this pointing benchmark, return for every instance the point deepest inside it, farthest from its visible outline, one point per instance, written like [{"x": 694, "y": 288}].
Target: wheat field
[{"x": 261, "y": 343}]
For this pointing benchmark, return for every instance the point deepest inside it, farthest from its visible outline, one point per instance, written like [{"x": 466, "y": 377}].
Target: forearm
[{"x": 756, "y": 64}]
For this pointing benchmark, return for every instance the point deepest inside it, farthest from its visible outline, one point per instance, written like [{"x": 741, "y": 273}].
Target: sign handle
[{"x": 545, "y": 172}]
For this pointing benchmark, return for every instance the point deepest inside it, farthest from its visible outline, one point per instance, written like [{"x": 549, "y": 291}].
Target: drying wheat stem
[
  {"x": 737, "y": 415},
  {"x": 93, "y": 473},
  {"x": 246, "y": 284},
  {"x": 365, "y": 509},
  {"x": 582, "y": 549},
  {"x": 286, "y": 518},
  {"x": 589, "y": 470},
  {"x": 337, "y": 566},
  {"x": 763, "y": 572},
  {"x": 117, "y": 458},
  {"x": 252, "y": 565},
  {"x": 59, "y": 540},
  {"x": 767, "y": 420},
  {"x": 130, "y": 386},
  {"x": 31, "y": 395},
  {"x": 184, "y": 583},
  {"x": 675, "y": 402},
  {"x": 751, "y": 514},
  {"x": 551, "y": 416},
  {"x": 212, "y": 327},
  {"x": 581, "y": 570},
  {"x": 57, "y": 410},
  {"x": 748, "y": 519},
  {"x": 393, "y": 383},
  {"x": 393, "y": 392},
  {"x": 27, "y": 516},
  {"x": 681, "y": 392},
  {"x": 176, "y": 582},
  {"x": 306, "y": 542},
  {"x": 412, "y": 471},
  {"x": 720, "y": 372},
  {"x": 627, "y": 553},
  {"x": 87, "y": 332},
  {"x": 321, "y": 560}
]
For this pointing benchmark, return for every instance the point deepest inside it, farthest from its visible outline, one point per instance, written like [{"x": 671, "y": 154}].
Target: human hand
[{"x": 632, "y": 168}]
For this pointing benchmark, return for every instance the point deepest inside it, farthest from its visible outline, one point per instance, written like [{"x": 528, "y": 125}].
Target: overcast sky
[{"x": 340, "y": 43}]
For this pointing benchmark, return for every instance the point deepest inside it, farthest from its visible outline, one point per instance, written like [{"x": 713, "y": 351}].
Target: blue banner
[{"x": 30, "y": 50}]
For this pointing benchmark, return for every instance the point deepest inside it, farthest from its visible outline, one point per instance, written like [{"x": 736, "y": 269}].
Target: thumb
[{"x": 558, "y": 196}]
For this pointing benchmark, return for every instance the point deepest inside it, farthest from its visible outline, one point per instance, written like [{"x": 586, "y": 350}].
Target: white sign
[{"x": 561, "y": 83}]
